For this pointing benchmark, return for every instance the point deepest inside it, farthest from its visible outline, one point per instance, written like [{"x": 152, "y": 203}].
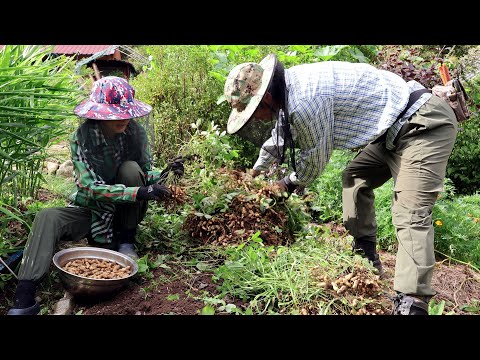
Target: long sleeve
[
  {"x": 313, "y": 133},
  {"x": 265, "y": 157}
]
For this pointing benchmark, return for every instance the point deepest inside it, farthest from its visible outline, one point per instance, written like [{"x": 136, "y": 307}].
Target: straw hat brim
[{"x": 238, "y": 119}]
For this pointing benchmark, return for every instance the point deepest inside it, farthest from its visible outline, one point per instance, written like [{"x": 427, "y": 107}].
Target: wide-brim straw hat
[{"x": 244, "y": 89}]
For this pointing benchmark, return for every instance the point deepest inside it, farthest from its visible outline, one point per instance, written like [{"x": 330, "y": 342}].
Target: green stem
[{"x": 459, "y": 261}]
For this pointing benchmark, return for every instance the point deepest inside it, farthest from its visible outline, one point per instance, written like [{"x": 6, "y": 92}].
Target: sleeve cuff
[
  {"x": 290, "y": 185},
  {"x": 293, "y": 178}
]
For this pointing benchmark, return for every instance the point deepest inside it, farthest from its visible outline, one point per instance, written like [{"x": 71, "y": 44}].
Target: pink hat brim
[{"x": 93, "y": 110}]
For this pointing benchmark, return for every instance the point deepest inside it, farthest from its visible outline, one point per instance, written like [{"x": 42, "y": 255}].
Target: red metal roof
[
  {"x": 81, "y": 49},
  {"x": 78, "y": 49}
]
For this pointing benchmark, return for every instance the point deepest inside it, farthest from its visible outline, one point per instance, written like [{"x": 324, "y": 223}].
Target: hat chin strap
[{"x": 287, "y": 136}]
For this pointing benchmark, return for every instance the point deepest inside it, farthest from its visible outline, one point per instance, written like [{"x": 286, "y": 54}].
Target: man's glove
[
  {"x": 286, "y": 185},
  {"x": 153, "y": 192},
  {"x": 176, "y": 166}
]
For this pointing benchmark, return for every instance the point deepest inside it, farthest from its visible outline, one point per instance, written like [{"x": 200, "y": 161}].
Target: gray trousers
[
  {"x": 417, "y": 165},
  {"x": 73, "y": 223}
]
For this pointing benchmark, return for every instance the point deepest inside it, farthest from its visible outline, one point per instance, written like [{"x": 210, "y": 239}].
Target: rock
[
  {"x": 66, "y": 169},
  {"x": 65, "y": 305},
  {"x": 52, "y": 167}
]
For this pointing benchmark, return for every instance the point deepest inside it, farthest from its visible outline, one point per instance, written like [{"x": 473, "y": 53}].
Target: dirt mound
[{"x": 175, "y": 296}]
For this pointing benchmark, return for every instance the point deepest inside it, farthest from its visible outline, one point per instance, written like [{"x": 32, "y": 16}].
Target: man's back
[{"x": 359, "y": 99}]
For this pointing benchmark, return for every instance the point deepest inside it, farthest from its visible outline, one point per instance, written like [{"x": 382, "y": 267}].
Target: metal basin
[{"x": 87, "y": 288}]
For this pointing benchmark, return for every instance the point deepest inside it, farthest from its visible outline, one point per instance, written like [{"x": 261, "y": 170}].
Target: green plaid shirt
[{"x": 96, "y": 162}]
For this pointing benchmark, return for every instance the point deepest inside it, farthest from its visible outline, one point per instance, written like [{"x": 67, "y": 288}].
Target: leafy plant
[
  {"x": 207, "y": 310},
  {"x": 181, "y": 91},
  {"x": 473, "y": 307},
  {"x": 463, "y": 165},
  {"x": 410, "y": 63},
  {"x": 210, "y": 148},
  {"x": 145, "y": 266},
  {"x": 282, "y": 279},
  {"x": 437, "y": 308},
  {"x": 37, "y": 95},
  {"x": 457, "y": 228}
]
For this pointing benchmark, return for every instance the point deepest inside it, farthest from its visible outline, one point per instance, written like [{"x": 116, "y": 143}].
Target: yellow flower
[
  {"x": 470, "y": 215},
  {"x": 475, "y": 220},
  {"x": 439, "y": 223}
]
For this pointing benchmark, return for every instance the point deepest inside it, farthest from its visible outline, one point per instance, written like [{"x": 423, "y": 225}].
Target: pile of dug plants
[{"x": 245, "y": 206}]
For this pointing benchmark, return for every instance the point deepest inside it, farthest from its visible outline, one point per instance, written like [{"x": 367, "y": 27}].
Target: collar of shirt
[{"x": 97, "y": 134}]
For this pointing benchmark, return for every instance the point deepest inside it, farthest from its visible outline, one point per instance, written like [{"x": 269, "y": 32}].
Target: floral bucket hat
[
  {"x": 244, "y": 89},
  {"x": 112, "y": 98}
]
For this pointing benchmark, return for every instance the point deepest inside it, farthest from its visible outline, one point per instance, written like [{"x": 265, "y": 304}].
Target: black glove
[
  {"x": 287, "y": 185},
  {"x": 153, "y": 192},
  {"x": 176, "y": 166}
]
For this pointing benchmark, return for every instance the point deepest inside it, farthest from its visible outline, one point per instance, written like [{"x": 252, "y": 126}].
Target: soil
[
  {"x": 457, "y": 284},
  {"x": 177, "y": 296},
  {"x": 178, "y": 291}
]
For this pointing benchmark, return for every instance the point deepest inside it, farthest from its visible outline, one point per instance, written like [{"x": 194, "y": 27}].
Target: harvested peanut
[{"x": 97, "y": 269}]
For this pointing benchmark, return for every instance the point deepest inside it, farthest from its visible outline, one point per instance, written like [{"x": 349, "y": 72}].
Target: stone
[
  {"x": 66, "y": 169},
  {"x": 52, "y": 167},
  {"x": 65, "y": 305}
]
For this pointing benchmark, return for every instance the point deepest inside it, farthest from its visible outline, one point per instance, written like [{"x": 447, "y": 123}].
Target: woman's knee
[
  {"x": 130, "y": 174},
  {"x": 50, "y": 213}
]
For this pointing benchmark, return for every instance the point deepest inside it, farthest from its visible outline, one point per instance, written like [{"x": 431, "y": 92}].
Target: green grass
[
  {"x": 287, "y": 279},
  {"x": 59, "y": 185}
]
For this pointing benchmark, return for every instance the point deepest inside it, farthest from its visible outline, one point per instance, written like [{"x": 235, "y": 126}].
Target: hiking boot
[
  {"x": 367, "y": 249},
  {"x": 409, "y": 305},
  {"x": 129, "y": 250},
  {"x": 32, "y": 310}
]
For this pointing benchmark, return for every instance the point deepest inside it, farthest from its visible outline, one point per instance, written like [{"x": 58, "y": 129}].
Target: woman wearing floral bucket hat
[
  {"x": 405, "y": 132},
  {"x": 114, "y": 177}
]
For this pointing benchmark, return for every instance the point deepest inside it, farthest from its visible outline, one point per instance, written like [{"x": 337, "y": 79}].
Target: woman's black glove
[
  {"x": 153, "y": 192},
  {"x": 176, "y": 166}
]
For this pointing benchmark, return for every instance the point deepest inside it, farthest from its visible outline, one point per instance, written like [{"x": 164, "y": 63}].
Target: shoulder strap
[
  {"x": 414, "y": 96},
  {"x": 288, "y": 133}
]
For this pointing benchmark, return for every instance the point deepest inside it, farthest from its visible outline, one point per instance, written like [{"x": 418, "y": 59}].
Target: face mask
[{"x": 257, "y": 131}]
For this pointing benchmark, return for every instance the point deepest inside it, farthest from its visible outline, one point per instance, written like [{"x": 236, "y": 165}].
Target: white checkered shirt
[{"x": 340, "y": 105}]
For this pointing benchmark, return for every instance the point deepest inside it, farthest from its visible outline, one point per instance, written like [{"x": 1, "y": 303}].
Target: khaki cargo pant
[
  {"x": 73, "y": 223},
  {"x": 417, "y": 165}
]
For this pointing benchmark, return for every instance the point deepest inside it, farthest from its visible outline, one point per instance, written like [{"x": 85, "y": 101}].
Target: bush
[
  {"x": 464, "y": 165},
  {"x": 457, "y": 228},
  {"x": 181, "y": 91}
]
